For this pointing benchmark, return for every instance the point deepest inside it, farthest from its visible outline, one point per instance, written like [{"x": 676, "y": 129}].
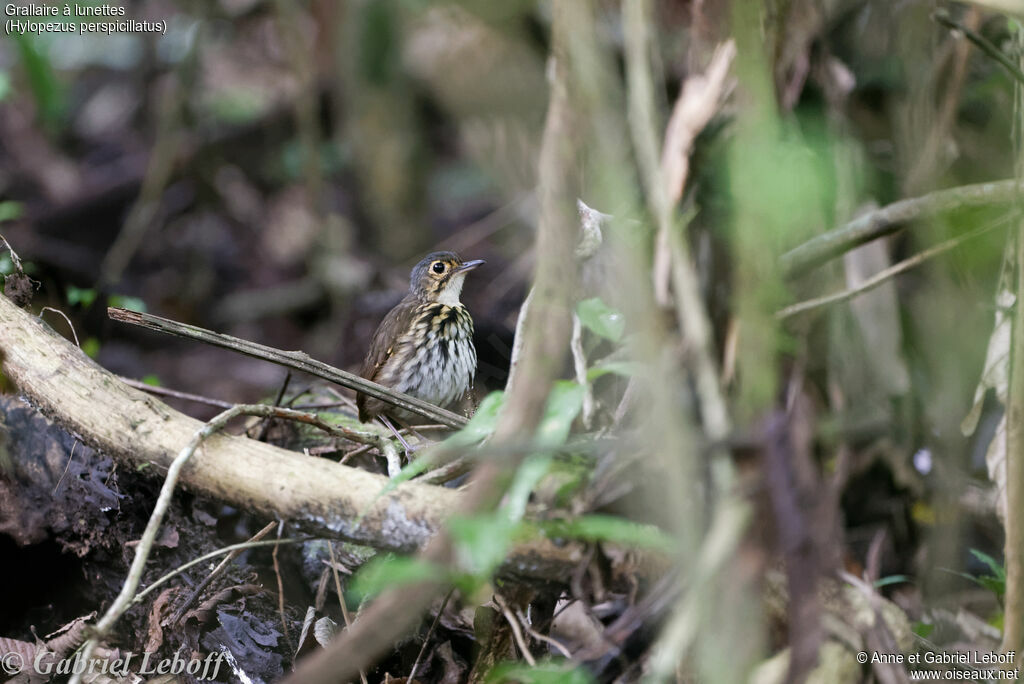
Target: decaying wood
[{"x": 320, "y": 496}]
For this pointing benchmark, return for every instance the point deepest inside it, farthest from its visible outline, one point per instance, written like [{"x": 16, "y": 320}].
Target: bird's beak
[{"x": 470, "y": 265}]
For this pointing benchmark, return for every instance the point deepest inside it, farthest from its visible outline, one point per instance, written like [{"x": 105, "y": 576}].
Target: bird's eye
[{"x": 438, "y": 267}]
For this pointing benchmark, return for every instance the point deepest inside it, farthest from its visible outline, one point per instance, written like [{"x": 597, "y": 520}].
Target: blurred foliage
[
  {"x": 49, "y": 92},
  {"x": 307, "y": 173},
  {"x": 601, "y": 319}
]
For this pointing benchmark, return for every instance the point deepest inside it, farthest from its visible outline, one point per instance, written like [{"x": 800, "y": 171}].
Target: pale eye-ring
[{"x": 438, "y": 267}]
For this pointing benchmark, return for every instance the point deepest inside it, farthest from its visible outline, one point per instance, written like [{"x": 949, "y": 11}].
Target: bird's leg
[
  {"x": 391, "y": 426},
  {"x": 394, "y": 468},
  {"x": 416, "y": 432}
]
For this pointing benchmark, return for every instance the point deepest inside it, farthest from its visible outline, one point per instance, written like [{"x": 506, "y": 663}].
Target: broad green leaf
[
  {"x": 411, "y": 470},
  {"x": 995, "y": 566},
  {"x": 564, "y": 404},
  {"x": 46, "y": 88},
  {"x": 153, "y": 380},
  {"x": 544, "y": 672},
  {"x": 601, "y": 319},
  {"x": 482, "y": 541},
  {"x": 482, "y": 424},
  {"x": 598, "y": 527},
  {"x": 527, "y": 476},
  {"x": 389, "y": 570}
]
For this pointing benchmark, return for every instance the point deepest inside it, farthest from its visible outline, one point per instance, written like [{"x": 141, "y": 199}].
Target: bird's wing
[{"x": 384, "y": 340}]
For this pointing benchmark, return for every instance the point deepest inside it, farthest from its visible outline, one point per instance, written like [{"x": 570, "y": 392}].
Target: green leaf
[
  {"x": 410, "y": 471},
  {"x": 564, "y": 404},
  {"x": 998, "y": 571},
  {"x": 544, "y": 672},
  {"x": 81, "y": 296},
  {"x": 482, "y": 542},
  {"x": 153, "y": 380},
  {"x": 601, "y": 319},
  {"x": 5, "y": 85},
  {"x": 598, "y": 527},
  {"x": 996, "y": 586},
  {"x": 891, "y": 580},
  {"x": 483, "y": 422},
  {"x": 10, "y": 210},
  {"x": 46, "y": 89},
  {"x": 389, "y": 570},
  {"x": 625, "y": 368},
  {"x": 532, "y": 470},
  {"x": 130, "y": 303},
  {"x": 923, "y": 629}
]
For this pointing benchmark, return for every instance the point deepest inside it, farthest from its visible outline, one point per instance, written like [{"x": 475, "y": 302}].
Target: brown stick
[{"x": 296, "y": 360}]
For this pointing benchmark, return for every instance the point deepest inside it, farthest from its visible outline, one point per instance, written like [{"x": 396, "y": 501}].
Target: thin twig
[
  {"x": 280, "y": 590},
  {"x": 891, "y": 219},
  {"x": 942, "y": 16},
  {"x": 295, "y": 360},
  {"x": 163, "y": 502},
  {"x": 167, "y": 392},
  {"x": 239, "y": 547},
  {"x": 430, "y": 632},
  {"x": 883, "y": 275},
  {"x": 579, "y": 362},
  {"x": 926, "y": 166},
  {"x": 14, "y": 255},
  {"x": 277, "y": 402},
  {"x": 179, "y": 612},
  {"x": 66, "y": 468},
  {"x": 66, "y": 320},
  {"x": 517, "y": 632},
  {"x": 341, "y": 600},
  {"x": 542, "y": 637}
]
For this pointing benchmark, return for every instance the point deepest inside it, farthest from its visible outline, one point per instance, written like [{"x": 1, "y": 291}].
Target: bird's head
[{"x": 438, "y": 277}]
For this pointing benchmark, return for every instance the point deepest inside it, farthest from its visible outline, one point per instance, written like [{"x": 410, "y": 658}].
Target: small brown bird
[{"x": 424, "y": 346}]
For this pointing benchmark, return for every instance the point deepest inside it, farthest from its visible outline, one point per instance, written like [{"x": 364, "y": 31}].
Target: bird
[{"x": 424, "y": 346}]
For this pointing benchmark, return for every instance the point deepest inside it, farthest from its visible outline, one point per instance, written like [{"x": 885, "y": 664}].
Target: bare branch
[{"x": 891, "y": 219}]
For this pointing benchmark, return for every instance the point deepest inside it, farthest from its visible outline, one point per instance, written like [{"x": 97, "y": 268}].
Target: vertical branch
[
  {"x": 1013, "y": 620},
  {"x": 545, "y": 330},
  {"x": 664, "y": 183},
  {"x": 1013, "y": 631}
]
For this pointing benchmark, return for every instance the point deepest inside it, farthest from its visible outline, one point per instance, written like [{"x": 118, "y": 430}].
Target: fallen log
[{"x": 318, "y": 496}]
